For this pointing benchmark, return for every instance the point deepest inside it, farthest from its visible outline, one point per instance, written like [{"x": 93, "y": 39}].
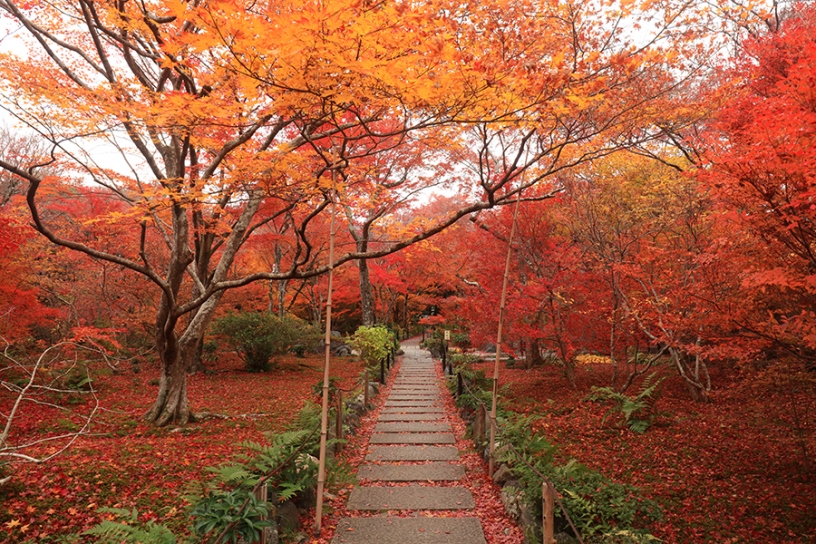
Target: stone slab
[
  {"x": 412, "y": 453},
  {"x": 411, "y": 417},
  {"x": 412, "y": 410},
  {"x": 412, "y": 428},
  {"x": 412, "y": 438},
  {"x": 424, "y": 388},
  {"x": 410, "y": 403},
  {"x": 412, "y": 497},
  {"x": 410, "y": 397},
  {"x": 433, "y": 472},
  {"x": 422, "y": 530}
]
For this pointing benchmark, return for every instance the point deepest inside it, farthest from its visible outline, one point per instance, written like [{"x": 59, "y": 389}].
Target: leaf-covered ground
[
  {"x": 127, "y": 463},
  {"x": 732, "y": 470}
]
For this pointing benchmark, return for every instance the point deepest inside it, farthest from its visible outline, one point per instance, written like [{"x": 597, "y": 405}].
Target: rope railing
[{"x": 547, "y": 486}]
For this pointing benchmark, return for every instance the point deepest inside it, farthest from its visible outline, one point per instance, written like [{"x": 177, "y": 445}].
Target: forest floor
[
  {"x": 732, "y": 470},
  {"x": 737, "y": 469},
  {"x": 126, "y": 463}
]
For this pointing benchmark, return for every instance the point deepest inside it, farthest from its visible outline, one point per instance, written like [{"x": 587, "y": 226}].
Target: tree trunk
[
  {"x": 171, "y": 404},
  {"x": 405, "y": 317},
  {"x": 534, "y": 354},
  {"x": 697, "y": 389},
  {"x": 569, "y": 373},
  {"x": 195, "y": 362},
  {"x": 366, "y": 294}
]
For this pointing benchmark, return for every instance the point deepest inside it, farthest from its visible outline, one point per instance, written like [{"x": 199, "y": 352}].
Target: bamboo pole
[
  {"x": 324, "y": 415},
  {"x": 548, "y": 505},
  {"x": 493, "y": 422}
]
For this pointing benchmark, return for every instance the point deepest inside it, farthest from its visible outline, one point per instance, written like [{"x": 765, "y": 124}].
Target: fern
[
  {"x": 129, "y": 529},
  {"x": 638, "y": 411}
]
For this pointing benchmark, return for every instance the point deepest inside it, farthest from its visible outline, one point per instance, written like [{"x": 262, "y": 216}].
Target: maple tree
[
  {"x": 231, "y": 116},
  {"x": 760, "y": 152}
]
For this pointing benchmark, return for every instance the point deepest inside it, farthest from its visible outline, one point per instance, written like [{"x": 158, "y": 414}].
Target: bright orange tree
[{"x": 230, "y": 115}]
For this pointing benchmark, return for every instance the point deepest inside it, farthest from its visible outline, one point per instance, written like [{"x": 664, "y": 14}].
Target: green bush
[
  {"x": 373, "y": 344},
  {"x": 459, "y": 360},
  {"x": 260, "y": 336}
]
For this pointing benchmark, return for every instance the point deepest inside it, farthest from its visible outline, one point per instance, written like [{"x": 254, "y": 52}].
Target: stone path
[{"x": 411, "y": 443}]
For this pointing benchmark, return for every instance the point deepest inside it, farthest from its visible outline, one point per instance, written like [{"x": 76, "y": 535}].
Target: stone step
[
  {"x": 413, "y": 497},
  {"x": 412, "y": 410},
  {"x": 422, "y": 530},
  {"x": 411, "y": 417},
  {"x": 412, "y": 427},
  {"x": 412, "y": 453},
  {"x": 416, "y": 392},
  {"x": 414, "y": 403},
  {"x": 426, "y": 472},
  {"x": 412, "y": 438}
]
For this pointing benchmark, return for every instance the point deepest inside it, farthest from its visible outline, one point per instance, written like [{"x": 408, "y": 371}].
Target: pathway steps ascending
[{"x": 412, "y": 428}]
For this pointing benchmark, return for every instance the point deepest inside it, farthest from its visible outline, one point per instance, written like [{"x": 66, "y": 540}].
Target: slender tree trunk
[
  {"x": 534, "y": 353},
  {"x": 366, "y": 293},
  {"x": 697, "y": 389},
  {"x": 613, "y": 331}
]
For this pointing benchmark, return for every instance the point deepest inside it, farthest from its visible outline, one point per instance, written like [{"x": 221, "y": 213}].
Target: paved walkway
[{"x": 412, "y": 443}]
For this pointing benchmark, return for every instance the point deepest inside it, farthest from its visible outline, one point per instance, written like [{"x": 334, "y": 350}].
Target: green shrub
[
  {"x": 373, "y": 344},
  {"x": 460, "y": 339},
  {"x": 260, "y": 336},
  {"x": 459, "y": 360},
  {"x": 217, "y": 511},
  {"x": 291, "y": 472}
]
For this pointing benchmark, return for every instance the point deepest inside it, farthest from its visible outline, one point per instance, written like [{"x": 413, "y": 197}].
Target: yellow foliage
[{"x": 589, "y": 359}]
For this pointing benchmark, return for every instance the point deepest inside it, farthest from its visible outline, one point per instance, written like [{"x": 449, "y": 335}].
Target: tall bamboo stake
[
  {"x": 493, "y": 422},
  {"x": 324, "y": 415}
]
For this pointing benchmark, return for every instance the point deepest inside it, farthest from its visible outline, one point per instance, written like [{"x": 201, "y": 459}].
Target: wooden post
[
  {"x": 548, "y": 493},
  {"x": 338, "y": 426},
  {"x": 382, "y": 371},
  {"x": 262, "y": 495},
  {"x": 479, "y": 425},
  {"x": 460, "y": 385},
  {"x": 365, "y": 390}
]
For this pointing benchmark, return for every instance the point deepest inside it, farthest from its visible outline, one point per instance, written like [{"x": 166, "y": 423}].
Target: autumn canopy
[{"x": 233, "y": 119}]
